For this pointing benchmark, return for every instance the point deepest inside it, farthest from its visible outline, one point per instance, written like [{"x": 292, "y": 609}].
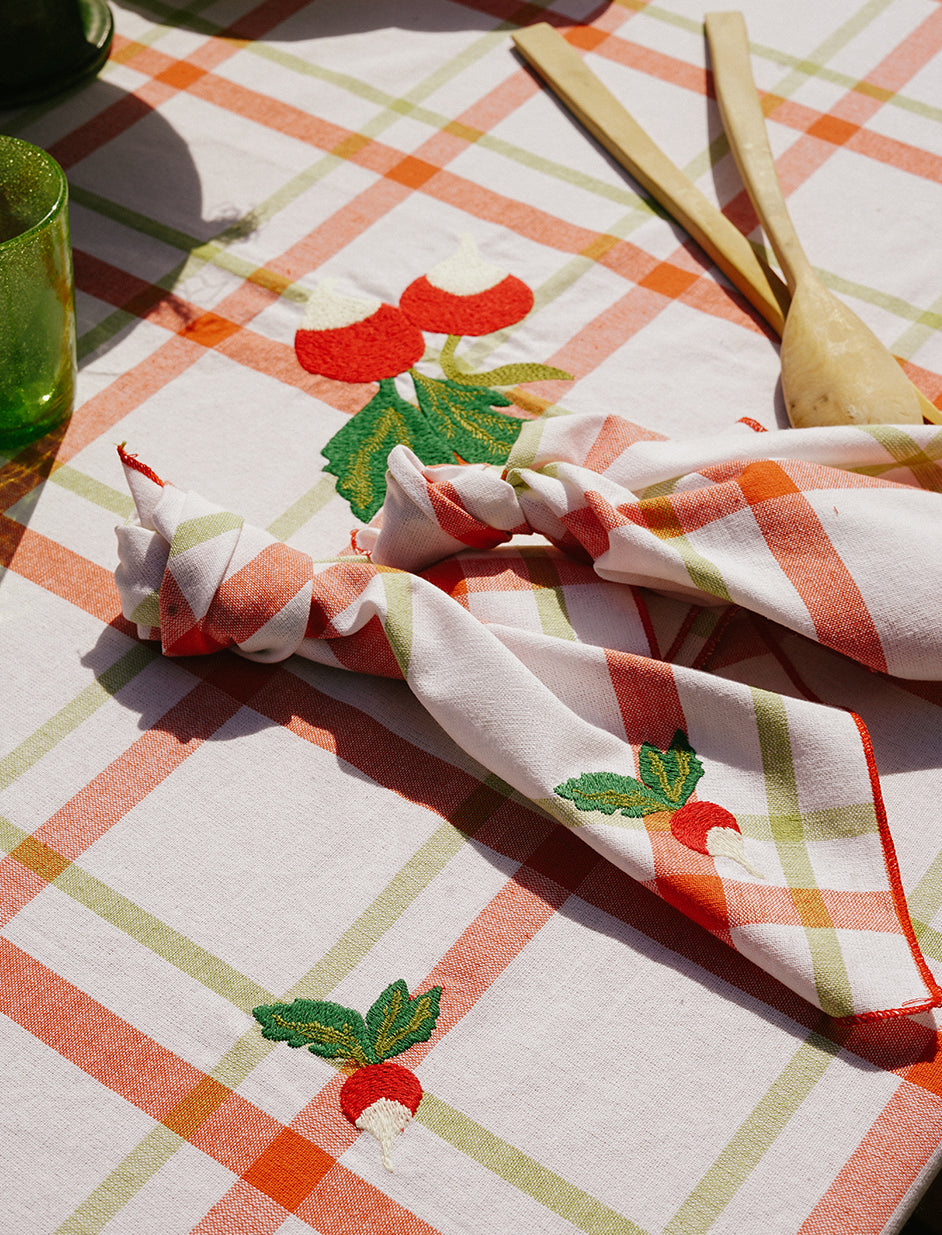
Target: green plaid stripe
[
  {"x": 773, "y": 1110},
  {"x": 786, "y": 819}
]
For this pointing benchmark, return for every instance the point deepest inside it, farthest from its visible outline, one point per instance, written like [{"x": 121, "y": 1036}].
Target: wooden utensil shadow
[
  {"x": 834, "y": 369},
  {"x": 327, "y": 18}
]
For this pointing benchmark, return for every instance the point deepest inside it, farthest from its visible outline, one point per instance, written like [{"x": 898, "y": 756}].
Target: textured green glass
[{"x": 37, "y": 309}]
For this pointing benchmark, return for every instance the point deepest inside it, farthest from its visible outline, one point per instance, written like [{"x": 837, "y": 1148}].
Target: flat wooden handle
[
  {"x": 744, "y": 122},
  {"x": 593, "y": 104},
  {"x": 929, "y": 410}
]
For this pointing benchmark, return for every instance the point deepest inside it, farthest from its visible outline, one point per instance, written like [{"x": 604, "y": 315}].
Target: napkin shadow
[
  {"x": 232, "y": 698},
  {"x": 612, "y": 903}
]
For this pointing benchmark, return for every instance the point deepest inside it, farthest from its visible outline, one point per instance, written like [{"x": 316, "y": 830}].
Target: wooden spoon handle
[
  {"x": 593, "y": 104},
  {"x": 596, "y": 107},
  {"x": 744, "y": 123}
]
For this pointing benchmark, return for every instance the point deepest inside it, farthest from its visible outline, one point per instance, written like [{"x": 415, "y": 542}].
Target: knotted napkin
[{"x": 758, "y": 814}]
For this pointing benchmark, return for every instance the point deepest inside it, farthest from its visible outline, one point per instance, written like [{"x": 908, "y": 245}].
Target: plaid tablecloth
[{"x": 193, "y": 839}]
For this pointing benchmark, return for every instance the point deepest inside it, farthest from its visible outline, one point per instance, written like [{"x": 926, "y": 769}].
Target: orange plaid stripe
[
  {"x": 647, "y": 60},
  {"x": 341, "y": 1204},
  {"x": 334, "y": 1176},
  {"x": 881, "y": 1165},
  {"x": 752, "y": 903},
  {"x": 895, "y": 68},
  {"x": 459, "y": 524},
  {"x": 667, "y": 278},
  {"x": 793, "y": 531},
  {"x": 368, "y": 651},
  {"x": 688, "y": 881},
  {"x": 273, "y": 1159},
  {"x": 335, "y": 589},
  {"x": 459, "y": 576},
  {"x": 614, "y": 438}
]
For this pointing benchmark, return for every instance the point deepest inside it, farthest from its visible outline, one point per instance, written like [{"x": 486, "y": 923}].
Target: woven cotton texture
[
  {"x": 615, "y": 736},
  {"x": 826, "y": 916}
]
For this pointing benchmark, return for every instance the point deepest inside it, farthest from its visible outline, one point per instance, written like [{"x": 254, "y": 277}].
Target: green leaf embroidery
[
  {"x": 672, "y": 773},
  {"x": 357, "y": 453},
  {"x": 463, "y": 416},
  {"x": 668, "y": 778},
  {"x": 395, "y": 1021},
  {"x": 328, "y": 1029},
  {"x": 611, "y": 793}
]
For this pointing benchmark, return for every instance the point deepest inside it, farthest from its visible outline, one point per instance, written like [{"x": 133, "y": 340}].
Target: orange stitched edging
[{"x": 893, "y": 876}]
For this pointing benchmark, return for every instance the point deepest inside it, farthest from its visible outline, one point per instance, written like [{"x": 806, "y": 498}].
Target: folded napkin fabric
[{"x": 759, "y": 815}]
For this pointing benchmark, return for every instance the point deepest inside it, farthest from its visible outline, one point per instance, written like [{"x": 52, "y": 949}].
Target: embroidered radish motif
[
  {"x": 668, "y": 778},
  {"x": 466, "y": 295},
  {"x": 455, "y": 419},
  {"x": 354, "y": 340},
  {"x": 712, "y": 830},
  {"x": 379, "y": 1097}
]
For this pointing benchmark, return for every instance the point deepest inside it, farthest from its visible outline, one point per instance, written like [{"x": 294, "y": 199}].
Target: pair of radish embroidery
[
  {"x": 667, "y": 779},
  {"x": 349, "y": 339},
  {"x": 378, "y": 1097}
]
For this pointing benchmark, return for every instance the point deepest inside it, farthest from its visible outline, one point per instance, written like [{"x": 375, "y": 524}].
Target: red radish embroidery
[
  {"x": 668, "y": 778},
  {"x": 355, "y": 340},
  {"x": 466, "y": 295},
  {"x": 380, "y": 1098},
  {"x": 712, "y": 830},
  {"x": 350, "y": 339}
]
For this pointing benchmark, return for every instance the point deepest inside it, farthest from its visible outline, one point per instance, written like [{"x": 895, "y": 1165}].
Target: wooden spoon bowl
[{"x": 835, "y": 371}]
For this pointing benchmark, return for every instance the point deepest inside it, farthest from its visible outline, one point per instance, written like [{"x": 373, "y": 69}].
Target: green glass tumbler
[{"x": 37, "y": 297}]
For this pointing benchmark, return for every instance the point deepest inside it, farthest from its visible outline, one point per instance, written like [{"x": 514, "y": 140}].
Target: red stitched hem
[
  {"x": 134, "y": 462},
  {"x": 934, "y": 999}
]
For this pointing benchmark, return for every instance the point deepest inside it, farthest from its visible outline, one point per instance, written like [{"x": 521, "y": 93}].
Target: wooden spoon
[
  {"x": 594, "y": 105},
  {"x": 835, "y": 370}
]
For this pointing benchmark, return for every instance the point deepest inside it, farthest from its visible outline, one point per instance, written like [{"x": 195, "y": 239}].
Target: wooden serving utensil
[
  {"x": 835, "y": 370},
  {"x": 593, "y": 104}
]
